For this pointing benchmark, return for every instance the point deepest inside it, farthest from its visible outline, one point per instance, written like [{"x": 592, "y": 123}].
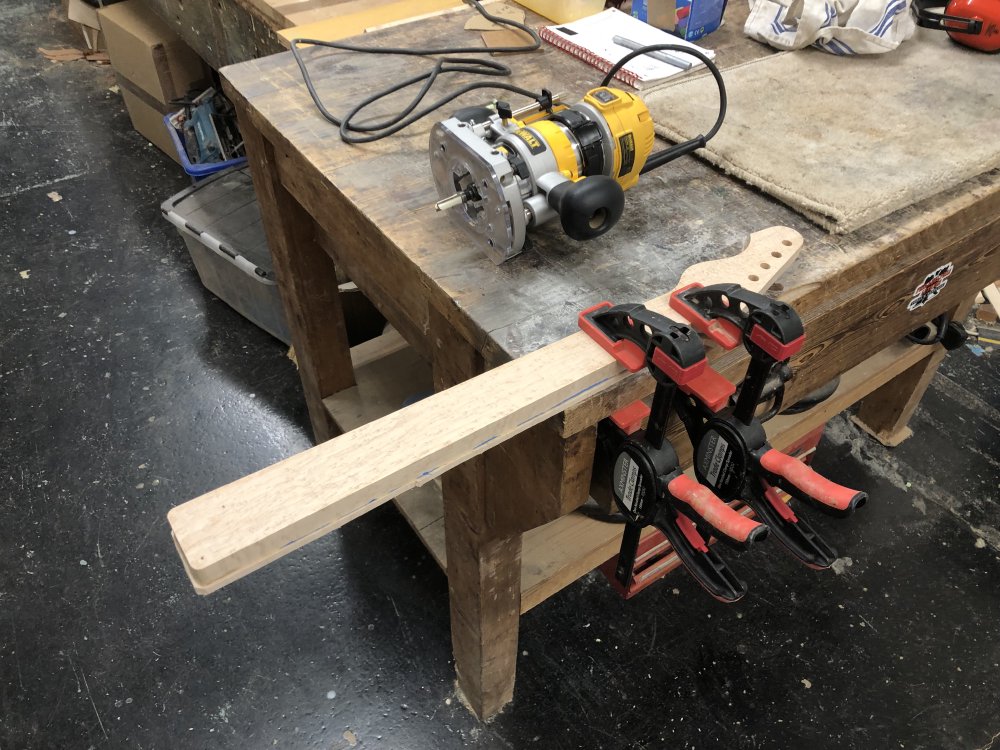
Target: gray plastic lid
[{"x": 222, "y": 211}]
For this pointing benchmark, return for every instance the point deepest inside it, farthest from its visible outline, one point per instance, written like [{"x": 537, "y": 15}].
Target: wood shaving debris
[
  {"x": 62, "y": 54},
  {"x": 69, "y": 54}
]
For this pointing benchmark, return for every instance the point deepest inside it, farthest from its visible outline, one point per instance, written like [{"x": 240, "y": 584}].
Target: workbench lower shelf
[{"x": 388, "y": 373}]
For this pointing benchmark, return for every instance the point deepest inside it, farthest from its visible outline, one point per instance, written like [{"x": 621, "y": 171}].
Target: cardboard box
[
  {"x": 84, "y": 17},
  {"x": 147, "y": 117},
  {"x": 146, "y": 52}
]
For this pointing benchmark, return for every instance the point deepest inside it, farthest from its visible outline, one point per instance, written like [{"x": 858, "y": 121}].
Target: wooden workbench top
[{"x": 683, "y": 213}]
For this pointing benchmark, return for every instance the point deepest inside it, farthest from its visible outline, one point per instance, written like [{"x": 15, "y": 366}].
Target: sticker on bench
[{"x": 931, "y": 287}]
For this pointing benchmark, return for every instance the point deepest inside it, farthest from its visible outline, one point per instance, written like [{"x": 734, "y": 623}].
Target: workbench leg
[
  {"x": 484, "y": 571},
  {"x": 307, "y": 281},
  {"x": 885, "y": 413},
  {"x": 484, "y": 591}
]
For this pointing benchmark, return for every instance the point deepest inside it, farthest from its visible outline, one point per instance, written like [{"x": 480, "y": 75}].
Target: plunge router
[{"x": 503, "y": 172}]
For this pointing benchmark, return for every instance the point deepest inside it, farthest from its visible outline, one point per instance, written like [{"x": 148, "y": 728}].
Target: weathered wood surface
[
  {"x": 308, "y": 286},
  {"x": 670, "y": 223},
  {"x": 683, "y": 213},
  {"x": 484, "y": 567},
  {"x": 222, "y": 32},
  {"x": 885, "y": 413}
]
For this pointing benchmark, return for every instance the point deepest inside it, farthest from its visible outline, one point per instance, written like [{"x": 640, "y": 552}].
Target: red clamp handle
[
  {"x": 716, "y": 513},
  {"x": 799, "y": 476}
]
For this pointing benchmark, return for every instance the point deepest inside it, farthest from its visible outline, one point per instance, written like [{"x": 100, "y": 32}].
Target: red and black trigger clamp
[
  {"x": 771, "y": 331},
  {"x": 647, "y": 483},
  {"x": 732, "y": 454}
]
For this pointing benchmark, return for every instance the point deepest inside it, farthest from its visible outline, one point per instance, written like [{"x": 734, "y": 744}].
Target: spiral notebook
[{"x": 591, "y": 40}]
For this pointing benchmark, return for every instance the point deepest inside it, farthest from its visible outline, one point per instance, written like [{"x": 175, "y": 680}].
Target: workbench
[
  {"x": 502, "y": 524},
  {"x": 225, "y": 32}
]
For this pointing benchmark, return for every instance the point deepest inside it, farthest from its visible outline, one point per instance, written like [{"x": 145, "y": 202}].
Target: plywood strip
[
  {"x": 352, "y": 18},
  {"x": 232, "y": 531}
]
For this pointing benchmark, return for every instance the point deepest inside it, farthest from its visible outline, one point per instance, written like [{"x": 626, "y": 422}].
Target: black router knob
[{"x": 588, "y": 207}]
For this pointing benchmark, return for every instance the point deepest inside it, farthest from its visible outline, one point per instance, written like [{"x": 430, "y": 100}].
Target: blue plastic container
[{"x": 198, "y": 171}]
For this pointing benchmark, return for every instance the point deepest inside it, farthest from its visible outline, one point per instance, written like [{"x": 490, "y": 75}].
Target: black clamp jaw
[
  {"x": 648, "y": 485},
  {"x": 732, "y": 454}
]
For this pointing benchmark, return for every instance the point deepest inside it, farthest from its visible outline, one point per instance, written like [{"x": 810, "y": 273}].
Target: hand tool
[
  {"x": 648, "y": 485},
  {"x": 732, "y": 454},
  {"x": 502, "y": 172}
]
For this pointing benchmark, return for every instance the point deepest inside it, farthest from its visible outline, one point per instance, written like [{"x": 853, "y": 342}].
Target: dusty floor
[{"x": 126, "y": 388}]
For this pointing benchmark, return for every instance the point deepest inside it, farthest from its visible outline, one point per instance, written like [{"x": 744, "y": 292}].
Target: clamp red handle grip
[
  {"x": 719, "y": 516},
  {"x": 811, "y": 484}
]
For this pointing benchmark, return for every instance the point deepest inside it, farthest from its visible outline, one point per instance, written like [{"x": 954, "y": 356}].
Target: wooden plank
[
  {"x": 308, "y": 285},
  {"x": 380, "y": 388},
  {"x": 388, "y": 372},
  {"x": 376, "y": 349},
  {"x": 234, "y": 530},
  {"x": 885, "y": 413},
  {"x": 352, "y": 18},
  {"x": 992, "y": 295},
  {"x": 484, "y": 567}
]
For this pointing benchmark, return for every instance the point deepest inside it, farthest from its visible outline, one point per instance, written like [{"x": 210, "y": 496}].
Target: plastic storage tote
[{"x": 220, "y": 222}]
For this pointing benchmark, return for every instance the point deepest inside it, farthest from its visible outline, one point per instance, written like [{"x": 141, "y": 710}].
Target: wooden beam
[
  {"x": 232, "y": 531},
  {"x": 309, "y": 290},
  {"x": 358, "y": 16},
  {"x": 885, "y": 413}
]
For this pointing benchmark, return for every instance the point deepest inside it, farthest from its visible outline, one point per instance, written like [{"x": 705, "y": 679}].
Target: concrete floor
[{"x": 126, "y": 388}]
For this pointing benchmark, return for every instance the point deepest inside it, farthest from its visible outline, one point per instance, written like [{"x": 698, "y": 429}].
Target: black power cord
[
  {"x": 374, "y": 131},
  {"x": 378, "y": 130},
  {"x": 669, "y": 154}
]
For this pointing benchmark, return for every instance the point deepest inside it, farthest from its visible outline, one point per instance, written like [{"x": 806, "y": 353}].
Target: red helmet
[{"x": 974, "y": 23}]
